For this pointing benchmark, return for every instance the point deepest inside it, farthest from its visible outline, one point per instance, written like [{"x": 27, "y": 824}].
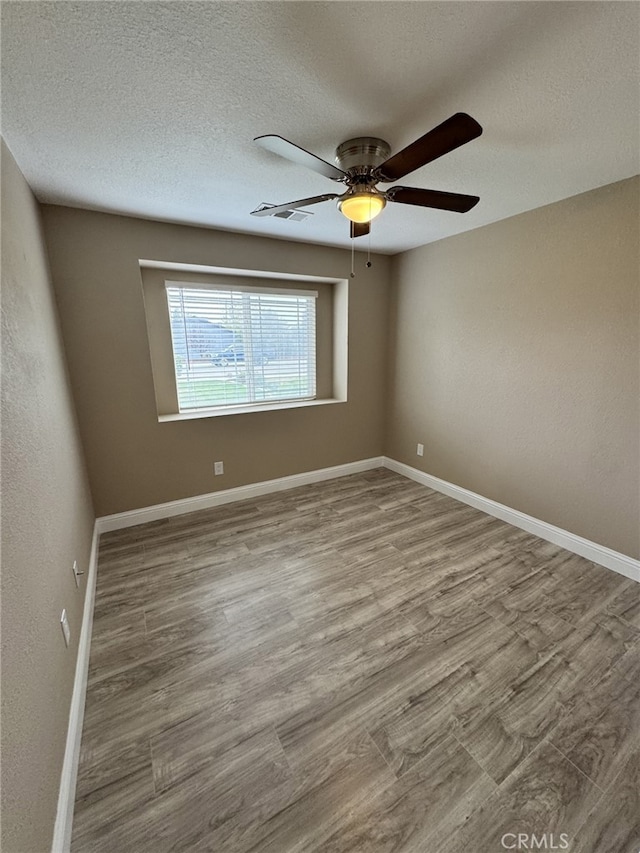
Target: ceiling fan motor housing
[{"x": 360, "y": 156}]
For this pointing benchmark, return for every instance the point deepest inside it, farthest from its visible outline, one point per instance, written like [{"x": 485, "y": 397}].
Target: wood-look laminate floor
[{"x": 357, "y": 665}]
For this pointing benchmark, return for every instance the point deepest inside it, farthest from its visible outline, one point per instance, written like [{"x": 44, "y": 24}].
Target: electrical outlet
[
  {"x": 420, "y": 450},
  {"x": 66, "y": 630},
  {"x": 218, "y": 468},
  {"x": 76, "y": 573}
]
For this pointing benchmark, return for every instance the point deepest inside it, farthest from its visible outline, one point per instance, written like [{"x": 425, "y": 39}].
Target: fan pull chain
[
  {"x": 369, "y": 238},
  {"x": 353, "y": 275}
]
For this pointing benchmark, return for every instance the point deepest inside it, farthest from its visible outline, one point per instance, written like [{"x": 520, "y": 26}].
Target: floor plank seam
[
  {"x": 575, "y": 766},
  {"x": 473, "y": 758},
  {"x": 144, "y": 620},
  {"x": 379, "y": 751}
]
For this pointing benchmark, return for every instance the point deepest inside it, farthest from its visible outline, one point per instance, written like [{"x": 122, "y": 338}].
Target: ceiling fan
[{"x": 363, "y": 162}]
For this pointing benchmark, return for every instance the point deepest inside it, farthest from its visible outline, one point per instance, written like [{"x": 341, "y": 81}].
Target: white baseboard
[
  {"x": 606, "y": 557},
  {"x": 600, "y": 554},
  {"x": 121, "y": 520},
  {"x": 67, "y": 793}
]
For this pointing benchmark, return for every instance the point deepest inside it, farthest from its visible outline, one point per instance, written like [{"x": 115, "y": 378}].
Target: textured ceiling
[{"x": 150, "y": 108}]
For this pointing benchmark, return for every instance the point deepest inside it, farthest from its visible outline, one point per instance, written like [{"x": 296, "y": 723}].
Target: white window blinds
[{"x": 241, "y": 346}]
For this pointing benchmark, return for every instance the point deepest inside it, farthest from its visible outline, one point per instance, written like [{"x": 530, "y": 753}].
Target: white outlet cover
[
  {"x": 66, "y": 630},
  {"x": 218, "y": 467},
  {"x": 420, "y": 450}
]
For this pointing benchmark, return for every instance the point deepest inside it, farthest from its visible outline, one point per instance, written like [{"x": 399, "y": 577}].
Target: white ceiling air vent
[{"x": 294, "y": 215}]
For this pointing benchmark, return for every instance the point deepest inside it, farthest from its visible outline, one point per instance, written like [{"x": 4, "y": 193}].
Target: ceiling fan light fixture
[{"x": 362, "y": 206}]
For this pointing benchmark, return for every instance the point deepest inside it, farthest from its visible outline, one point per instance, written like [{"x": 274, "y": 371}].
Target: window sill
[{"x": 224, "y": 411}]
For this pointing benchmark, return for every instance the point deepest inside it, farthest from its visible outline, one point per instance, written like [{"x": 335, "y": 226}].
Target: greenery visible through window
[{"x": 236, "y": 346}]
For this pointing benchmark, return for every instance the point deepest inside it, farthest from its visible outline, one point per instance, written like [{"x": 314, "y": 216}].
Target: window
[
  {"x": 228, "y": 341},
  {"x": 235, "y": 346}
]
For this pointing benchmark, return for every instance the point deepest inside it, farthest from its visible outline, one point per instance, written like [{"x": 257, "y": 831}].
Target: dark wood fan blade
[
  {"x": 446, "y": 137},
  {"x": 359, "y": 229},
  {"x": 433, "y": 198},
  {"x": 270, "y": 210},
  {"x": 281, "y": 146}
]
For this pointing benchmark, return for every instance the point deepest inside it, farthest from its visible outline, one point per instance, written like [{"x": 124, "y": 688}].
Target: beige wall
[
  {"x": 133, "y": 460},
  {"x": 47, "y": 522},
  {"x": 516, "y": 361}
]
